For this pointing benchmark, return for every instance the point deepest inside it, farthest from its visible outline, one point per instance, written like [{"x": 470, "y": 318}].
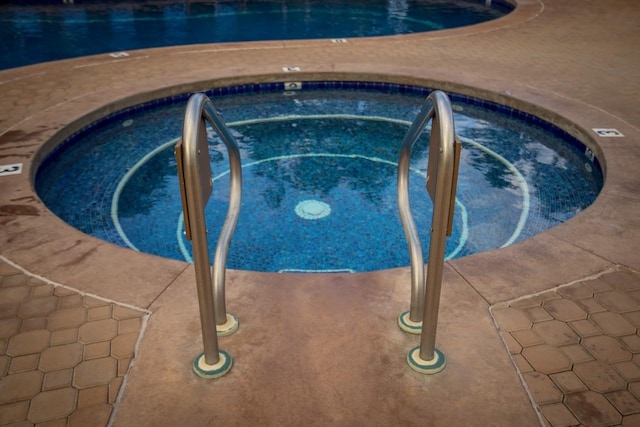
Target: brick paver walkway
[
  {"x": 63, "y": 355},
  {"x": 578, "y": 350}
]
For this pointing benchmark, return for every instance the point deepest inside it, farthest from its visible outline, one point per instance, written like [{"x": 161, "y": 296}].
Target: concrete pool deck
[{"x": 544, "y": 331}]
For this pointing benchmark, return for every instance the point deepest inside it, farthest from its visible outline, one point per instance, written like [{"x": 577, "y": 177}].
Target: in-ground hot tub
[{"x": 319, "y": 175}]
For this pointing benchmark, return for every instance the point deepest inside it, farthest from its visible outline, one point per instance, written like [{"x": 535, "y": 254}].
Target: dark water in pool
[{"x": 39, "y": 31}]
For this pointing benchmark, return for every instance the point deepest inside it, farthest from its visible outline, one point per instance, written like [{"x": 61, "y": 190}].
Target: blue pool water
[
  {"x": 319, "y": 176},
  {"x": 38, "y": 31}
]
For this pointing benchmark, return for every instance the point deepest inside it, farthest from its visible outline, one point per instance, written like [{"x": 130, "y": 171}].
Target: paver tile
[
  {"x": 520, "y": 362},
  {"x": 622, "y": 280},
  {"x": 17, "y": 279},
  {"x": 114, "y": 388},
  {"x": 542, "y": 389},
  {"x": 20, "y": 386},
  {"x": 585, "y": 328},
  {"x": 600, "y": 377},
  {"x": 592, "y": 409},
  {"x": 38, "y": 307},
  {"x": 547, "y": 359},
  {"x": 24, "y": 363},
  {"x": 14, "y": 295},
  {"x": 528, "y": 302},
  {"x": 558, "y": 415},
  {"x": 69, "y": 301},
  {"x": 99, "y": 330},
  {"x": 599, "y": 285},
  {"x": 564, "y": 310},
  {"x": 4, "y": 365},
  {"x": 537, "y": 314},
  {"x": 93, "y": 396},
  {"x": 513, "y": 345},
  {"x": 8, "y": 270},
  {"x": 96, "y": 416},
  {"x": 35, "y": 281},
  {"x": 122, "y": 346},
  {"x": 61, "y": 357},
  {"x": 41, "y": 291},
  {"x": 33, "y": 323},
  {"x": 635, "y": 295},
  {"x": 633, "y": 317},
  {"x": 624, "y": 402},
  {"x": 575, "y": 291},
  {"x": 60, "y": 422},
  {"x": 61, "y": 291},
  {"x": 28, "y": 342},
  {"x": 617, "y": 301},
  {"x": 52, "y": 404},
  {"x": 556, "y": 333},
  {"x": 57, "y": 379},
  {"x": 527, "y": 338},
  {"x": 91, "y": 302},
  {"x": 129, "y": 325},
  {"x": 549, "y": 296},
  {"x": 95, "y": 372},
  {"x": 632, "y": 342},
  {"x": 629, "y": 370},
  {"x": 612, "y": 323},
  {"x": 606, "y": 349},
  {"x": 9, "y": 327},
  {"x": 97, "y": 350},
  {"x": 590, "y": 305},
  {"x": 13, "y": 412},
  {"x": 634, "y": 388},
  {"x": 576, "y": 353},
  {"x": 67, "y": 319},
  {"x": 122, "y": 313},
  {"x": 99, "y": 313},
  {"x": 64, "y": 336},
  {"x": 511, "y": 319},
  {"x": 568, "y": 382},
  {"x": 9, "y": 310},
  {"x": 631, "y": 421}
]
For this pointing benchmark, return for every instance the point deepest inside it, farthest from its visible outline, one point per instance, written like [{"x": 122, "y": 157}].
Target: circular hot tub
[{"x": 319, "y": 172}]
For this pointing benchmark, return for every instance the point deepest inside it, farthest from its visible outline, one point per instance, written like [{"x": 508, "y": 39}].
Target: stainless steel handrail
[
  {"x": 438, "y": 108},
  {"x": 442, "y": 175},
  {"x": 200, "y": 106},
  {"x": 410, "y": 230},
  {"x": 219, "y": 267},
  {"x": 196, "y": 186}
]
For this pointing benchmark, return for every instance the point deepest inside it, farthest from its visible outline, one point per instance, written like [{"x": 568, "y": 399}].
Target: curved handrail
[
  {"x": 438, "y": 108},
  {"x": 198, "y": 108}
]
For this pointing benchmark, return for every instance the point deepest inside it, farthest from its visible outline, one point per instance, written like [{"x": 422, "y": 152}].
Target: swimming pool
[
  {"x": 319, "y": 177},
  {"x": 39, "y": 31}
]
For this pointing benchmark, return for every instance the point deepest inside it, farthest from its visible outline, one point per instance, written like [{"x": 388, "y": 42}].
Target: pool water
[
  {"x": 39, "y": 31},
  {"x": 319, "y": 178}
]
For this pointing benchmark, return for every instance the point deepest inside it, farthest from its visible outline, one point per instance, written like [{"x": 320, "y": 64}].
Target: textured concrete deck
[{"x": 544, "y": 331}]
